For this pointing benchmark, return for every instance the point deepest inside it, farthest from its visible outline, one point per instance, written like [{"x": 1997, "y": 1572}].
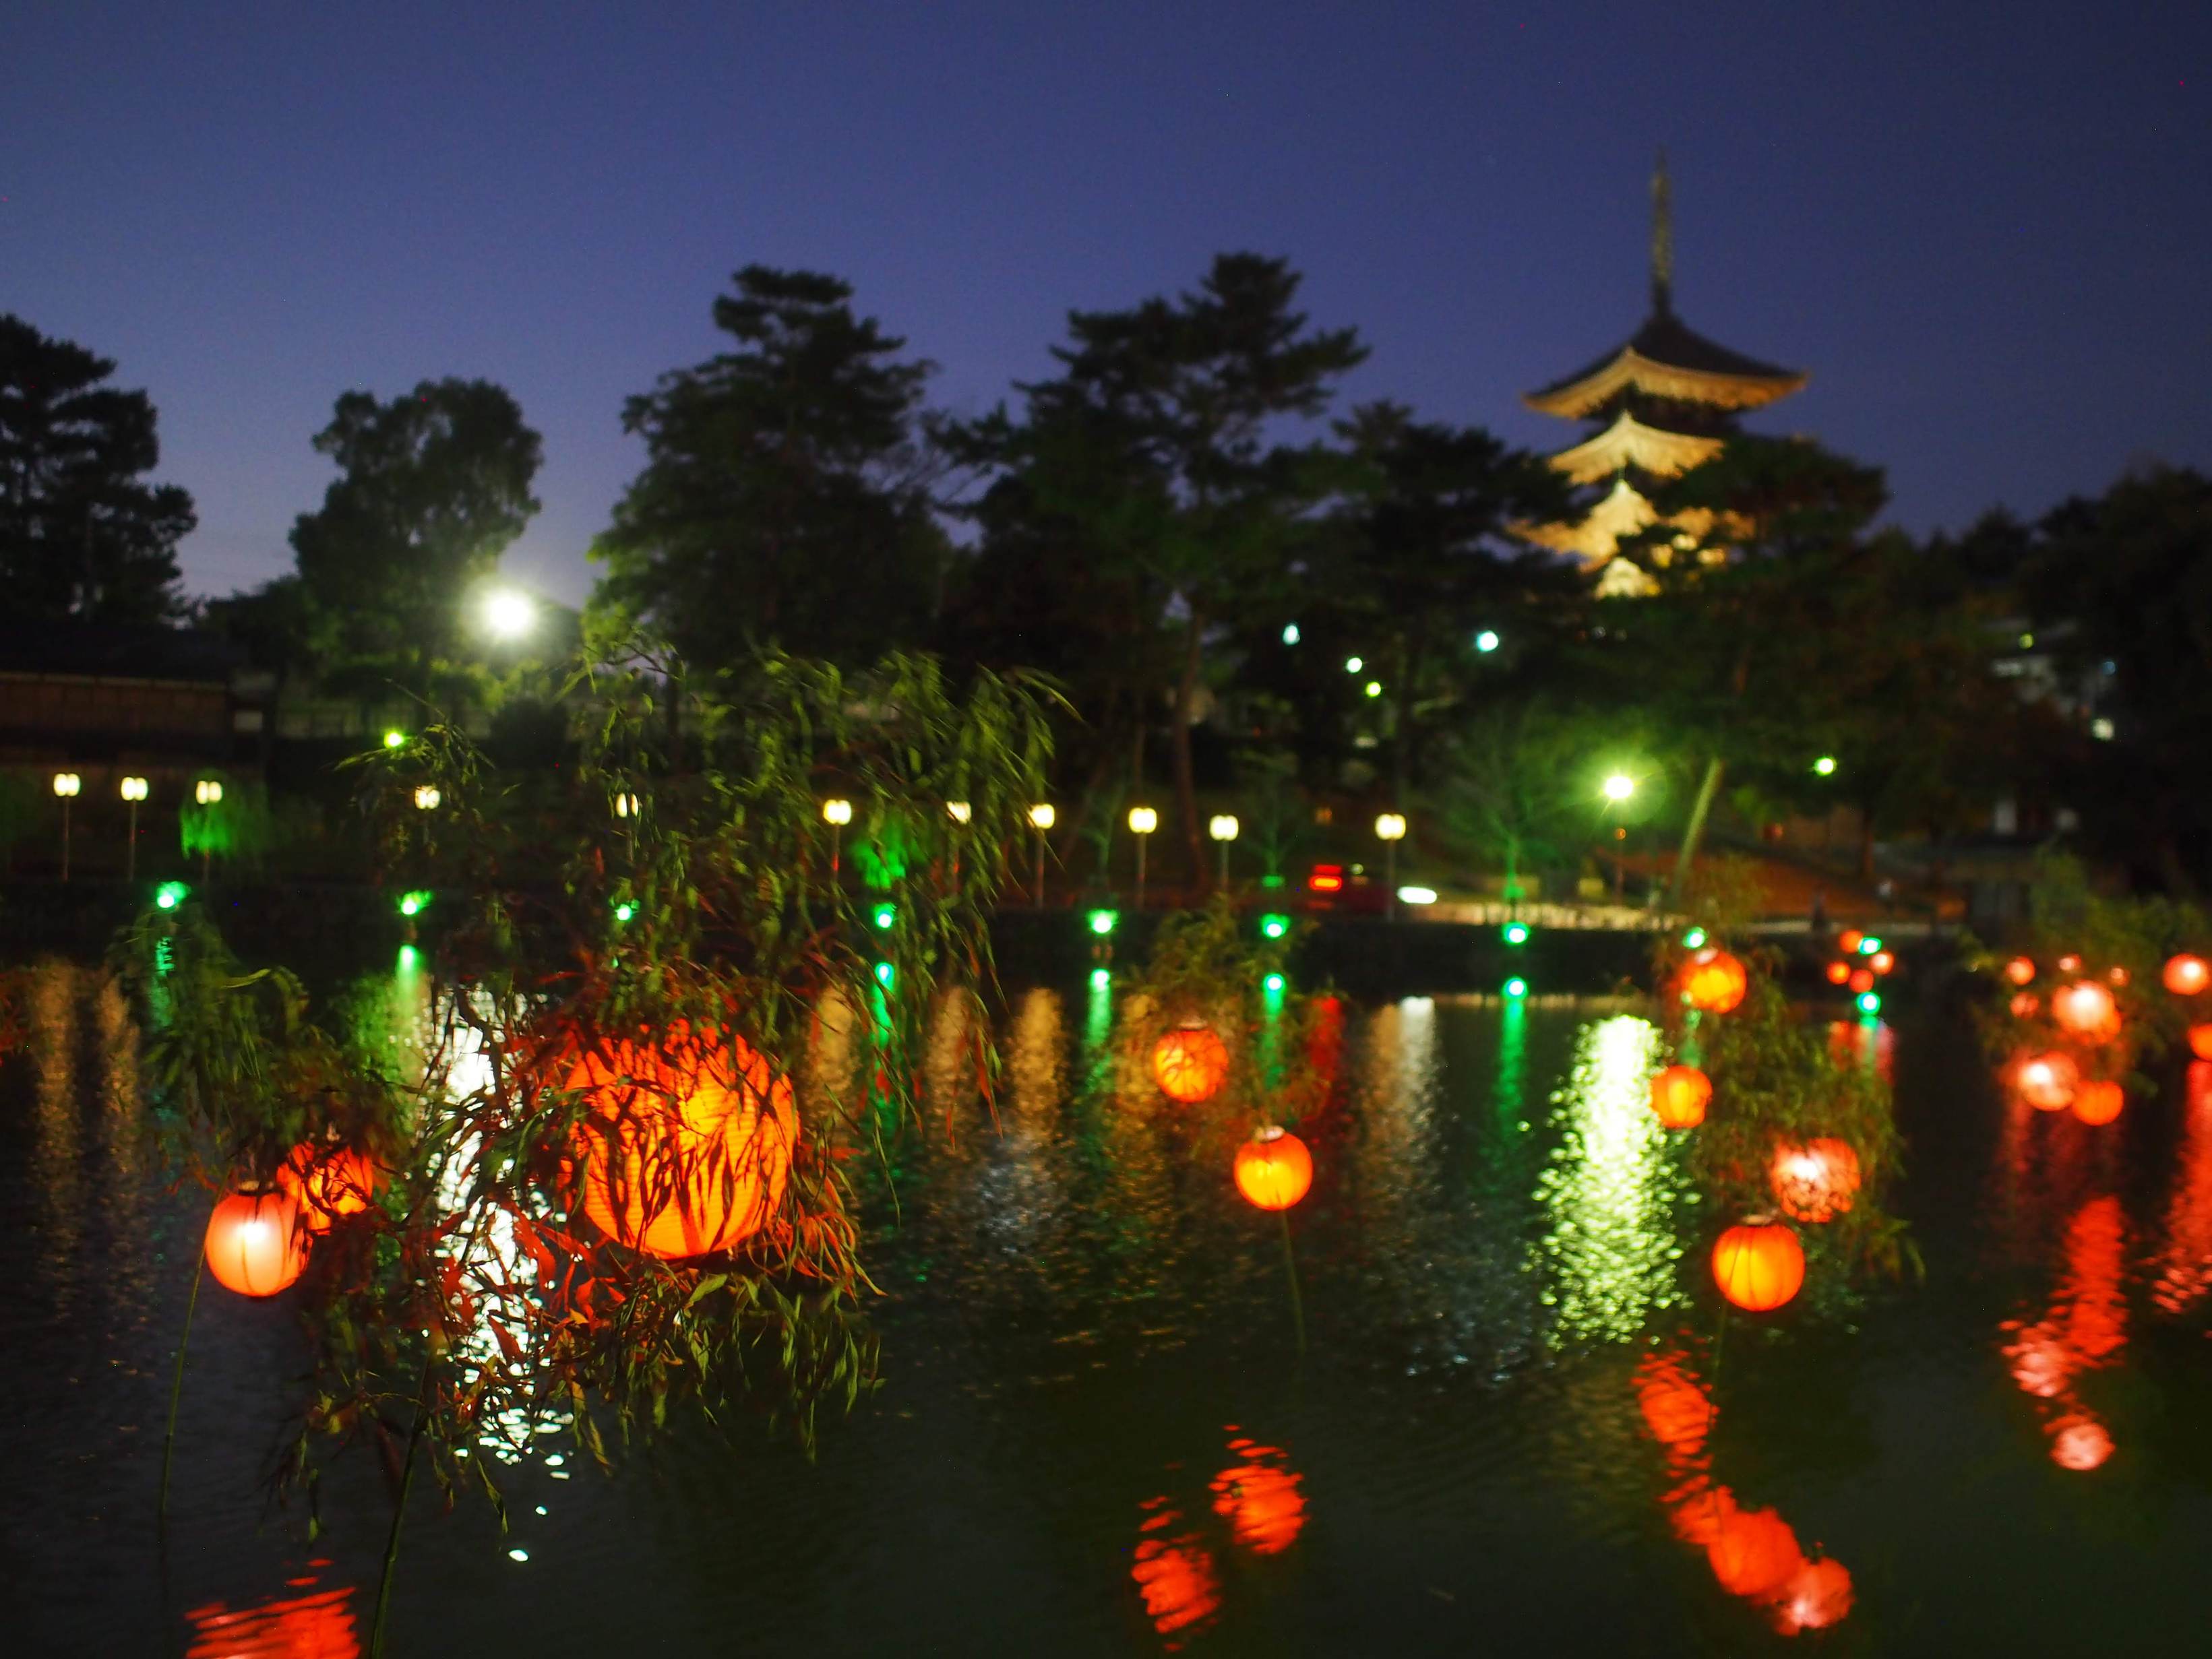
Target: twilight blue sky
[{"x": 1986, "y": 230}]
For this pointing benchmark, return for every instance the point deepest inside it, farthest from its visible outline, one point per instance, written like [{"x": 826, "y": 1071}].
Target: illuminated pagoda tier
[{"x": 1662, "y": 403}]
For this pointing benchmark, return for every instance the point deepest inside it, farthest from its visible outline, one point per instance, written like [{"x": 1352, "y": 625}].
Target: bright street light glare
[
  {"x": 1290, "y": 635},
  {"x": 1486, "y": 640},
  {"x": 1825, "y": 766},
  {"x": 1620, "y": 787},
  {"x": 508, "y": 614}
]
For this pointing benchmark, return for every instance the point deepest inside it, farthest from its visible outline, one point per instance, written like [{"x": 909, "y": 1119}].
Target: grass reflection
[{"x": 1610, "y": 1192}]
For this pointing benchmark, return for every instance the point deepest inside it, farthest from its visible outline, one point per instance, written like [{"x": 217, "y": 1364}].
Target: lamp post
[
  {"x": 1390, "y": 829},
  {"x": 837, "y": 812},
  {"x": 508, "y": 614},
  {"x": 427, "y": 798},
  {"x": 133, "y": 791},
  {"x": 1619, "y": 787},
  {"x": 1142, "y": 820},
  {"x": 1041, "y": 819},
  {"x": 66, "y": 787},
  {"x": 628, "y": 806},
  {"x": 208, "y": 792},
  {"x": 1223, "y": 828}
]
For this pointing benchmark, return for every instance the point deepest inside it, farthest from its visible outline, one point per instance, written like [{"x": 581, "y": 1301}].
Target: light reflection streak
[
  {"x": 2085, "y": 1330},
  {"x": 2185, "y": 1266},
  {"x": 317, "y": 1624},
  {"x": 1610, "y": 1190}
]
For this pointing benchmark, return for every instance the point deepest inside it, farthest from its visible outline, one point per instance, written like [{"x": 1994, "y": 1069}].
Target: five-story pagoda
[{"x": 1662, "y": 403}]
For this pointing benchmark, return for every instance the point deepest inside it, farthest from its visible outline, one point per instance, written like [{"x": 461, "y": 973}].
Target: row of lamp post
[{"x": 68, "y": 785}]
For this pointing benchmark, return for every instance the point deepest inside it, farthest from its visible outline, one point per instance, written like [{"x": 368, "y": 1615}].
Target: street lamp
[
  {"x": 1618, "y": 787},
  {"x": 1042, "y": 817},
  {"x": 427, "y": 798},
  {"x": 66, "y": 784},
  {"x": 1486, "y": 640},
  {"x": 1390, "y": 829},
  {"x": 959, "y": 810},
  {"x": 837, "y": 812},
  {"x": 133, "y": 791},
  {"x": 1825, "y": 767},
  {"x": 628, "y": 806},
  {"x": 507, "y": 614},
  {"x": 1223, "y": 828},
  {"x": 1142, "y": 820},
  {"x": 207, "y": 791}
]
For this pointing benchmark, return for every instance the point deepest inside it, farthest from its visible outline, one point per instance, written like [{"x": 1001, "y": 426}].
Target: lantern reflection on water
[
  {"x": 2085, "y": 1330},
  {"x": 2086, "y": 1009},
  {"x": 2186, "y": 1272},
  {"x": 319, "y": 1625},
  {"x": 1816, "y": 1180},
  {"x": 2046, "y": 1082},
  {"x": 1259, "y": 1497},
  {"x": 1174, "y": 1575}
]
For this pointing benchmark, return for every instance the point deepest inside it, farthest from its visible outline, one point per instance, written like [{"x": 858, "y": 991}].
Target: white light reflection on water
[{"x": 1610, "y": 1191}]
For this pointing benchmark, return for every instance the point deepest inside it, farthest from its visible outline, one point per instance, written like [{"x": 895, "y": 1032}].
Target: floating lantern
[
  {"x": 1839, "y": 972},
  {"x": 2117, "y": 975},
  {"x": 689, "y": 1144},
  {"x": 1679, "y": 1096},
  {"x": 1273, "y": 1169},
  {"x": 1861, "y": 980},
  {"x": 2099, "y": 1102},
  {"x": 328, "y": 1182},
  {"x": 2200, "y": 1041},
  {"x": 1882, "y": 961},
  {"x": 1848, "y": 940},
  {"x": 2019, "y": 970},
  {"x": 2070, "y": 965},
  {"x": 2025, "y": 1005},
  {"x": 1759, "y": 1264},
  {"x": 1754, "y": 1553},
  {"x": 2186, "y": 975},
  {"x": 1815, "y": 1181},
  {"x": 2046, "y": 1082},
  {"x": 256, "y": 1245},
  {"x": 1714, "y": 981},
  {"x": 1189, "y": 1063},
  {"x": 2087, "y": 1008}
]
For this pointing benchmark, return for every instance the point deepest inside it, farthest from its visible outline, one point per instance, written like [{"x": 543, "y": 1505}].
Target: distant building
[{"x": 1665, "y": 401}]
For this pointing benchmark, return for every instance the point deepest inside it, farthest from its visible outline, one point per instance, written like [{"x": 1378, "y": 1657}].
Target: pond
[{"x": 1516, "y": 1422}]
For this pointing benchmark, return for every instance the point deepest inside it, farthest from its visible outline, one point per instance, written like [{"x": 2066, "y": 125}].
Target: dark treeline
[{"x": 1256, "y": 597}]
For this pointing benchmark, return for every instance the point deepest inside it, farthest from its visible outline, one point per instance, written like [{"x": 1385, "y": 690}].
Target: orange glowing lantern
[
  {"x": 2070, "y": 965},
  {"x": 1848, "y": 941},
  {"x": 2098, "y": 1103},
  {"x": 1815, "y": 1181},
  {"x": 2026, "y": 1004},
  {"x": 2186, "y": 975},
  {"x": 2080, "y": 1442},
  {"x": 1817, "y": 1596},
  {"x": 328, "y": 1182},
  {"x": 1189, "y": 1063},
  {"x": 2200, "y": 1041},
  {"x": 689, "y": 1145},
  {"x": 256, "y": 1243},
  {"x": 1714, "y": 981},
  {"x": 1839, "y": 972},
  {"x": 2046, "y": 1082},
  {"x": 1679, "y": 1095},
  {"x": 1862, "y": 979},
  {"x": 1882, "y": 961},
  {"x": 2117, "y": 975},
  {"x": 2087, "y": 1008},
  {"x": 1754, "y": 1553},
  {"x": 2019, "y": 970},
  {"x": 1273, "y": 1169},
  {"x": 1759, "y": 1264}
]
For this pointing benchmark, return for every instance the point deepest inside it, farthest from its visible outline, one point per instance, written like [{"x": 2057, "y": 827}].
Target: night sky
[{"x": 1986, "y": 231}]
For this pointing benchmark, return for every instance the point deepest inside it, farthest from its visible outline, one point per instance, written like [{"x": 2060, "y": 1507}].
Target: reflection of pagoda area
[{"x": 1666, "y": 401}]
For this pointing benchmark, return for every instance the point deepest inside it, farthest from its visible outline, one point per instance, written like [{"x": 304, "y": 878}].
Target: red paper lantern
[
  {"x": 1815, "y": 1181},
  {"x": 1273, "y": 1169},
  {"x": 1759, "y": 1264},
  {"x": 1189, "y": 1063},
  {"x": 2046, "y": 1082},
  {"x": 2019, "y": 970},
  {"x": 328, "y": 1182},
  {"x": 689, "y": 1145},
  {"x": 1848, "y": 941},
  {"x": 256, "y": 1243},
  {"x": 2025, "y": 1005},
  {"x": 1839, "y": 972},
  {"x": 1714, "y": 981},
  {"x": 1862, "y": 979},
  {"x": 2087, "y": 1008},
  {"x": 2070, "y": 965},
  {"x": 2200, "y": 1041},
  {"x": 1882, "y": 961},
  {"x": 2186, "y": 975},
  {"x": 2098, "y": 1103},
  {"x": 2117, "y": 975},
  {"x": 1679, "y": 1095}
]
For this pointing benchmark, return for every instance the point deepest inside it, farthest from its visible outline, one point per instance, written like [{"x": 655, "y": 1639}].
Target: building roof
[
  {"x": 99, "y": 651},
  {"x": 1628, "y": 442},
  {"x": 1666, "y": 358},
  {"x": 1621, "y": 513}
]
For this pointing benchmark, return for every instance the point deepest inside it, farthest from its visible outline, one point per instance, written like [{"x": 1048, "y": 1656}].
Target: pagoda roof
[
  {"x": 1666, "y": 358},
  {"x": 1628, "y": 442},
  {"x": 1622, "y": 512}
]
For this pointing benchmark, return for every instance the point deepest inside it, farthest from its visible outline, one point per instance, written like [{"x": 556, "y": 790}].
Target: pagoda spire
[{"x": 1662, "y": 241}]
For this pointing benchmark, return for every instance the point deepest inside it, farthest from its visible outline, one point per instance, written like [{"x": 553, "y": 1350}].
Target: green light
[
  {"x": 165, "y": 955},
  {"x": 1273, "y": 878},
  {"x": 1100, "y": 979},
  {"x": 413, "y": 904},
  {"x": 1694, "y": 939},
  {"x": 410, "y": 957},
  {"x": 885, "y": 974},
  {"x": 1102, "y": 922},
  {"x": 1353, "y": 664},
  {"x": 395, "y": 739},
  {"x": 623, "y": 912},
  {"x": 1486, "y": 640},
  {"x": 1517, "y": 987},
  {"x": 1516, "y": 932},
  {"x": 1825, "y": 766},
  {"x": 1275, "y": 927},
  {"x": 1869, "y": 1002},
  {"x": 1290, "y": 632},
  {"x": 170, "y": 894},
  {"x": 1274, "y": 982},
  {"x": 1374, "y": 688},
  {"x": 884, "y": 914},
  {"x": 1868, "y": 945}
]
